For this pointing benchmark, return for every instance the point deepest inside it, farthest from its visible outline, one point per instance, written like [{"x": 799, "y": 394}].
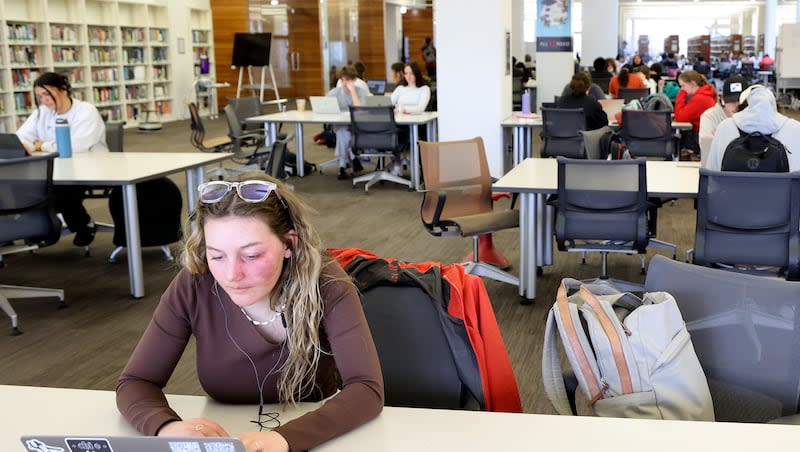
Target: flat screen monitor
[{"x": 251, "y": 49}]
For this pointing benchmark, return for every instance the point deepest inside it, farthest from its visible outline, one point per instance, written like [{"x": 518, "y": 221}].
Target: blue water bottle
[
  {"x": 63, "y": 143},
  {"x": 526, "y": 102}
]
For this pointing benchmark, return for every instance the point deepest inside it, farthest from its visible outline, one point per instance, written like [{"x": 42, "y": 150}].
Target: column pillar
[
  {"x": 770, "y": 27},
  {"x": 517, "y": 25},
  {"x": 473, "y": 88},
  {"x": 600, "y": 30}
]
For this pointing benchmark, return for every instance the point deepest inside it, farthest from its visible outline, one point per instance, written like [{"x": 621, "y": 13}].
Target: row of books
[
  {"x": 106, "y": 94},
  {"x": 101, "y": 35},
  {"x": 23, "y": 102},
  {"x": 105, "y": 75},
  {"x": 102, "y": 55},
  {"x": 63, "y": 33},
  {"x": 133, "y": 55},
  {"x": 158, "y": 35},
  {"x": 160, "y": 54},
  {"x": 24, "y": 55},
  {"x": 112, "y": 113},
  {"x": 136, "y": 92},
  {"x": 22, "y": 32},
  {"x": 132, "y": 34},
  {"x": 134, "y": 73},
  {"x": 200, "y": 36},
  {"x": 23, "y": 77},
  {"x": 65, "y": 55}
]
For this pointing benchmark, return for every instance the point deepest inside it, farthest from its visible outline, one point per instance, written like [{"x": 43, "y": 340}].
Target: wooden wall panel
[
  {"x": 370, "y": 37},
  {"x": 229, "y": 17},
  {"x": 418, "y": 25}
]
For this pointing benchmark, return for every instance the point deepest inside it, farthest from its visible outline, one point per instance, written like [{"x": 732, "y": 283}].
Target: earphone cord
[{"x": 259, "y": 382}]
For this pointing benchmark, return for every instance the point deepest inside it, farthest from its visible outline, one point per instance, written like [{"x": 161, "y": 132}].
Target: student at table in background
[
  {"x": 594, "y": 90},
  {"x": 695, "y": 97},
  {"x": 274, "y": 320},
  {"x": 758, "y": 112},
  {"x": 728, "y": 105},
  {"x": 360, "y": 69},
  {"x": 413, "y": 93},
  {"x": 625, "y": 79},
  {"x": 53, "y": 96},
  {"x": 397, "y": 76},
  {"x": 349, "y": 93},
  {"x": 579, "y": 97}
]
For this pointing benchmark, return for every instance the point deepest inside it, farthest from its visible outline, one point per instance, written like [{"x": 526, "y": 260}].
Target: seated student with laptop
[
  {"x": 53, "y": 95},
  {"x": 274, "y": 318},
  {"x": 349, "y": 93}
]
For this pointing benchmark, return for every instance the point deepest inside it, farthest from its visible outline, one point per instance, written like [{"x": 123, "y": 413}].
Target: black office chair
[
  {"x": 648, "y": 133},
  {"x": 562, "y": 132},
  {"x": 375, "y": 135},
  {"x": 417, "y": 357},
  {"x": 27, "y": 220},
  {"x": 745, "y": 330},
  {"x": 630, "y": 94},
  {"x": 602, "y": 82},
  {"x": 602, "y": 207},
  {"x": 198, "y": 135},
  {"x": 242, "y": 140},
  {"x": 516, "y": 93},
  {"x": 749, "y": 219}
]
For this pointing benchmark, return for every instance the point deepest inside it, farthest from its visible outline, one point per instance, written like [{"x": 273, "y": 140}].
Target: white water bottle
[
  {"x": 526, "y": 102},
  {"x": 63, "y": 142}
]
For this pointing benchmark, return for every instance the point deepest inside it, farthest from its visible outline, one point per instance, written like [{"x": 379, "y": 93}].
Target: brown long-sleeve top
[{"x": 190, "y": 306}]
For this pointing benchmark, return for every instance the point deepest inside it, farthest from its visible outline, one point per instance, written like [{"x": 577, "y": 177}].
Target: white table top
[
  {"x": 121, "y": 168},
  {"x": 536, "y": 121},
  {"x": 32, "y": 410},
  {"x": 664, "y": 179},
  {"x": 309, "y": 117}
]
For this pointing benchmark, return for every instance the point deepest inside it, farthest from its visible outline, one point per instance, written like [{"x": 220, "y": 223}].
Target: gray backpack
[{"x": 632, "y": 357}]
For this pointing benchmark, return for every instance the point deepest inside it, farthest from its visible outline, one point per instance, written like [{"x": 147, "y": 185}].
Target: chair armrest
[{"x": 441, "y": 199}]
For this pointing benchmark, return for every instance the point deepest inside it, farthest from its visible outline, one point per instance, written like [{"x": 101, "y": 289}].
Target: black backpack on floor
[{"x": 755, "y": 152}]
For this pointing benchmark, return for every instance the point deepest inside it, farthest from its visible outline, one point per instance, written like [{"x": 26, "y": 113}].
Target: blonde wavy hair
[{"x": 299, "y": 280}]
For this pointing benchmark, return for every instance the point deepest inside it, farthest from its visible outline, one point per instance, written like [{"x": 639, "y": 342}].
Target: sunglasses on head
[{"x": 248, "y": 191}]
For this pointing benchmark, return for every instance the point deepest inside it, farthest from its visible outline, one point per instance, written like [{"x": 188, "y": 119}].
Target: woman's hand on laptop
[
  {"x": 193, "y": 427},
  {"x": 264, "y": 442}
]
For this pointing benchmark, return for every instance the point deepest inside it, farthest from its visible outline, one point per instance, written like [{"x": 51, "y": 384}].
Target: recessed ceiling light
[{"x": 273, "y": 2}]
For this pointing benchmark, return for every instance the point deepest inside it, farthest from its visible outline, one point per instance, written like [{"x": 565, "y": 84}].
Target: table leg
[
  {"x": 298, "y": 136},
  {"x": 517, "y": 144},
  {"x": 414, "y": 145},
  {"x": 132, "y": 236},
  {"x": 528, "y": 247},
  {"x": 193, "y": 178},
  {"x": 270, "y": 133}
]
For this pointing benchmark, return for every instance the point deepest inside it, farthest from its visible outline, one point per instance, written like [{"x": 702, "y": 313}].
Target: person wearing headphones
[
  {"x": 274, "y": 318},
  {"x": 53, "y": 95}
]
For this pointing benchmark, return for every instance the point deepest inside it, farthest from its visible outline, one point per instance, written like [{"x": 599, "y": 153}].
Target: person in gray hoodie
[{"x": 760, "y": 115}]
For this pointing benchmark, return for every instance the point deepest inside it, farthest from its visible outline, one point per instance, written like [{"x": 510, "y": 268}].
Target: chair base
[
  {"x": 164, "y": 249},
  {"x": 7, "y": 291},
  {"x": 490, "y": 271},
  {"x": 334, "y": 163},
  {"x": 377, "y": 176}
]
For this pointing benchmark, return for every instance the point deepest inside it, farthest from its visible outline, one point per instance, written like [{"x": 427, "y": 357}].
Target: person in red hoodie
[{"x": 695, "y": 97}]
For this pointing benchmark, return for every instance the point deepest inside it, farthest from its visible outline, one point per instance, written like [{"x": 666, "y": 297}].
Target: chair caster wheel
[
  {"x": 539, "y": 271},
  {"x": 15, "y": 331},
  {"x": 525, "y": 301}
]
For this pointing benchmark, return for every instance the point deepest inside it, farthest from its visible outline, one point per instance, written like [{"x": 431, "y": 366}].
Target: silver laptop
[
  {"x": 54, "y": 443},
  {"x": 324, "y": 105},
  {"x": 378, "y": 101},
  {"x": 10, "y": 146}
]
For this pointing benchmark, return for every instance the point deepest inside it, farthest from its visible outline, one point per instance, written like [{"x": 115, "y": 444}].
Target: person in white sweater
[
  {"x": 53, "y": 95},
  {"x": 728, "y": 105},
  {"x": 759, "y": 115},
  {"x": 413, "y": 94}
]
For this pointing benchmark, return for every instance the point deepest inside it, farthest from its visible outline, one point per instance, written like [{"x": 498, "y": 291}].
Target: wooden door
[{"x": 304, "y": 43}]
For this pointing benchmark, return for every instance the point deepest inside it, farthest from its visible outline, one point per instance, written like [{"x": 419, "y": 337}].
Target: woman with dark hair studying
[
  {"x": 625, "y": 79},
  {"x": 578, "y": 98},
  {"x": 53, "y": 95},
  {"x": 274, "y": 318}
]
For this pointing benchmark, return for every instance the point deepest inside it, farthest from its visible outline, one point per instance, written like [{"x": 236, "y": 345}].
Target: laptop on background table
[
  {"x": 377, "y": 87},
  {"x": 55, "y": 443},
  {"x": 324, "y": 105},
  {"x": 378, "y": 101}
]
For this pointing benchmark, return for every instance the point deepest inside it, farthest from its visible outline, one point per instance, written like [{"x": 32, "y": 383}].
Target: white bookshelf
[
  {"x": 202, "y": 46},
  {"x": 121, "y": 55}
]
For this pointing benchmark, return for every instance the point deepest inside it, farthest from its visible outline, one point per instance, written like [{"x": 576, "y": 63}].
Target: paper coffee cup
[{"x": 301, "y": 105}]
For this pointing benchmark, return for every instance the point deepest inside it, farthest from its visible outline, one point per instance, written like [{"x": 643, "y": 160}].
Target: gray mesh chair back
[
  {"x": 648, "y": 133},
  {"x": 375, "y": 135},
  {"x": 198, "y": 136},
  {"x": 749, "y": 218},
  {"x": 374, "y": 128},
  {"x": 276, "y": 164},
  {"x": 630, "y": 94},
  {"x": 602, "y": 207},
  {"x": 417, "y": 361},
  {"x": 27, "y": 220},
  {"x": 115, "y": 132},
  {"x": 602, "y": 82},
  {"x": 745, "y": 330},
  {"x": 561, "y": 132}
]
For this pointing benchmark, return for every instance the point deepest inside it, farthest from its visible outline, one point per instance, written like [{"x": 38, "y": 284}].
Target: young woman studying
[
  {"x": 274, "y": 320},
  {"x": 53, "y": 95}
]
